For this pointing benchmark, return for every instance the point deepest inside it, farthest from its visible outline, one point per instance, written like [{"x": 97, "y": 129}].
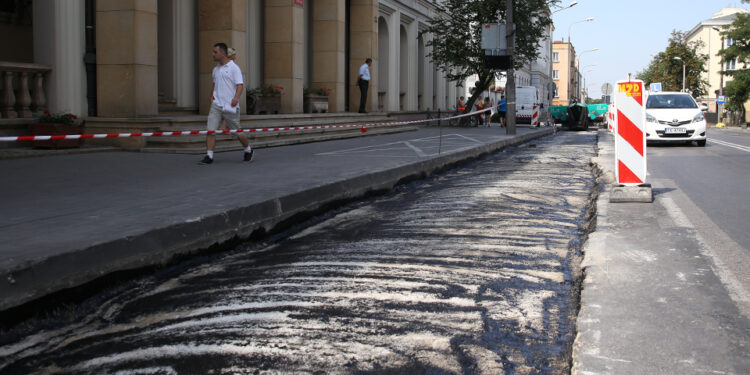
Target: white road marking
[
  {"x": 736, "y": 290},
  {"x": 730, "y": 144},
  {"x": 457, "y": 141},
  {"x": 415, "y": 148}
]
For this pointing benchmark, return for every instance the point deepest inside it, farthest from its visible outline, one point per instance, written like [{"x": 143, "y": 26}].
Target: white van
[{"x": 526, "y": 98}]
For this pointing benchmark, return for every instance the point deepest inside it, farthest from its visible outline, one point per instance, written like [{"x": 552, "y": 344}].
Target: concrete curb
[
  {"x": 604, "y": 162},
  {"x": 160, "y": 245}
]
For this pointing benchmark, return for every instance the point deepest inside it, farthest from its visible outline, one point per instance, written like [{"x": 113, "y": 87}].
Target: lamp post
[
  {"x": 585, "y": 87},
  {"x": 567, "y": 7},
  {"x": 571, "y": 25},
  {"x": 579, "y": 58},
  {"x": 683, "y": 71},
  {"x": 720, "y": 107}
]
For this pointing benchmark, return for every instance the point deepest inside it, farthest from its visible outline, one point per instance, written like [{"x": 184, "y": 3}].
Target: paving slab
[{"x": 69, "y": 219}]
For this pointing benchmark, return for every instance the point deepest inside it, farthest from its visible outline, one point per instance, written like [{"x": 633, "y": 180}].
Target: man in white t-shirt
[
  {"x": 363, "y": 82},
  {"x": 225, "y": 102}
]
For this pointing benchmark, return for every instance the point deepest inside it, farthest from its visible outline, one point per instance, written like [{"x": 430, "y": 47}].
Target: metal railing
[{"x": 22, "y": 90}]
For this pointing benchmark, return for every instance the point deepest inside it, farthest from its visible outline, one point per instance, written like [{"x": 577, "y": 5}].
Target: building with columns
[{"x": 135, "y": 59}]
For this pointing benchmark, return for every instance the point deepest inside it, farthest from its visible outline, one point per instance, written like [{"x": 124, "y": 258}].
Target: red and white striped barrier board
[
  {"x": 228, "y": 131},
  {"x": 630, "y": 133},
  {"x": 611, "y": 116},
  {"x": 535, "y": 116}
]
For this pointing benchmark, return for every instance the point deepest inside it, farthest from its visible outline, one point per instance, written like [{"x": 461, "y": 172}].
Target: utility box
[
  {"x": 495, "y": 46},
  {"x": 494, "y": 39}
]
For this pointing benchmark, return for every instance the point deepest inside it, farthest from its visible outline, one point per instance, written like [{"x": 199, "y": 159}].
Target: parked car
[{"x": 674, "y": 117}]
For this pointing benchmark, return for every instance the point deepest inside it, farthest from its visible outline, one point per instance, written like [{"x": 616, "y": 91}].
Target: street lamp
[
  {"x": 585, "y": 86},
  {"x": 567, "y": 7},
  {"x": 721, "y": 80},
  {"x": 683, "y": 71},
  {"x": 571, "y": 25}
]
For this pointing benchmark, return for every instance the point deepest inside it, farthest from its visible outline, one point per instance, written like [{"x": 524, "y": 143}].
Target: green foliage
[
  {"x": 47, "y": 117},
  {"x": 738, "y": 88},
  {"x": 316, "y": 91},
  {"x": 266, "y": 91},
  {"x": 457, "y": 32},
  {"x": 666, "y": 69}
]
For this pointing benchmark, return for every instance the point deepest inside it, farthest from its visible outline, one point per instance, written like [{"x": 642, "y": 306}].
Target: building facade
[
  {"x": 565, "y": 74},
  {"x": 708, "y": 33},
  {"x": 135, "y": 59}
]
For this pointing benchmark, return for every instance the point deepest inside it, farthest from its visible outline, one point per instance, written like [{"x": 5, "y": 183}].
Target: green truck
[{"x": 597, "y": 112}]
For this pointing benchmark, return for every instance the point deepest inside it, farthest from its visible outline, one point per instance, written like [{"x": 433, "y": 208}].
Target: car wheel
[{"x": 701, "y": 143}]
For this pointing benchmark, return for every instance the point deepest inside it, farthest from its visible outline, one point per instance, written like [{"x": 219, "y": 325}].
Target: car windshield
[{"x": 670, "y": 101}]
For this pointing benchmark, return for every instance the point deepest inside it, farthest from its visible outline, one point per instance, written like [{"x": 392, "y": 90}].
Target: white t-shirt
[
  {"x": 226, "y": 79},
  {"x": 364, "y": 71}
]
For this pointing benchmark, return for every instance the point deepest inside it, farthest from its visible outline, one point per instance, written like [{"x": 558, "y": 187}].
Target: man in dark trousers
[{"x": 364, "y": 83}]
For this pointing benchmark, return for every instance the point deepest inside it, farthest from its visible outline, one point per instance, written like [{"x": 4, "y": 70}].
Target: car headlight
[
  {"x": 650, "y": 118},
  {"x": 699, "y": 117}
]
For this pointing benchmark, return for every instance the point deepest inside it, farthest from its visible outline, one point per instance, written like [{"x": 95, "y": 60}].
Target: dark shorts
[{"x": 501, "y": 113}]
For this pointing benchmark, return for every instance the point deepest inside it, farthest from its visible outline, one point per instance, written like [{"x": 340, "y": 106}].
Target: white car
[{"x": 674, "y": 117}]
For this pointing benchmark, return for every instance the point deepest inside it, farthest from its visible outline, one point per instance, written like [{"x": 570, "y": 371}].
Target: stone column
[
  {"x": 219, "y": 21},
  {"x": 186, "y": 53},
  {"x": 126, "y": 58},
  {"x": 255, "y": 43},
  {"x": 59, "y": 42},
  {"x": 363, "y": 40},
  {"x": 440, "y": 91},
  {"x": 452, "y": 99},
  {"x": 412, "y": 91},
  {"x": 284, "y": 51},
  {"x": 394, "y": 48},
  {"x": 328, "y": 48},
  {"x": 429, "y": 69}
]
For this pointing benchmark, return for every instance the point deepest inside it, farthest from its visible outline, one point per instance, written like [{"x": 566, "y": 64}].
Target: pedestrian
[
  {"x": 502, "y": 109},
  {"x": 231, "y": 53},
  {"x": 363, "y": 81},
  {"x": 461, "y": 106},
  {"x": 225, "y": 101},
  {"x": 480, "y": 106}
]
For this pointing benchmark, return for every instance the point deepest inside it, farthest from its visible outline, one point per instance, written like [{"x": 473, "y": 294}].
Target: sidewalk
[
  {"x": 652, "y": 302},
  {"x": 67, "y": 220}
]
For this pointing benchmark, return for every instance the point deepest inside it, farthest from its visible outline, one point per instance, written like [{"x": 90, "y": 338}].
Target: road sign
[
  {"x": 655, "y": 87},
  {"x": 630, "y": 133},
  {"x": 721, "y": 99},
  {"x": 607, "y": 89}
]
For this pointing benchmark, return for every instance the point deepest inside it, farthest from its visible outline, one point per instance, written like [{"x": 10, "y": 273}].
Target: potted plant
[
  {"x": 264, "y": 100},
  {"x": 316, "y": 100},
  {"x": 56, "y": 124}
]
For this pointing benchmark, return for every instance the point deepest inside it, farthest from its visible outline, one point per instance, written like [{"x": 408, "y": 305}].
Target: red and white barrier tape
[{"x": 227, "y": 131}]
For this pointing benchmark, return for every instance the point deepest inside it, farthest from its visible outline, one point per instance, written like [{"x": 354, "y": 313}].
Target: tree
[
  {"x": 738, "y": 89},
  {"x": 666, "y": 69},
  {"x": 457, "y": 31}
]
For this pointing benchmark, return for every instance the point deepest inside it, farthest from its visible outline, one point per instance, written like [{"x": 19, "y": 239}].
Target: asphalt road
[
  {"x": 474, "y": 271},
  {"x": 709, "y": 187}
]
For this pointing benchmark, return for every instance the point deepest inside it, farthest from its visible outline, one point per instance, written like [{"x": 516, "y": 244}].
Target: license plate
[{"x": 675, "y": 131}]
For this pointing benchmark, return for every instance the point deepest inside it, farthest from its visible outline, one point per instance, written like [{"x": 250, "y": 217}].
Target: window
[
  {"x": 556, "y": 94},
  {"x": 730, "y": 42},
  {"x": 556, "y": 56},
  {"x": 730, "y": 65},
  {"x": 555, "y": 74}
]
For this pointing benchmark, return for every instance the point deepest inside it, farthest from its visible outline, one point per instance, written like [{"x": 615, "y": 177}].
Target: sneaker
[
  {"x": 206, "y": 160},
  {"x": 248, "y": 156}
]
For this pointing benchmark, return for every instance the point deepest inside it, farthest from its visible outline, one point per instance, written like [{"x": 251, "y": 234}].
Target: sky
[{"x": 627, "y": 32}]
